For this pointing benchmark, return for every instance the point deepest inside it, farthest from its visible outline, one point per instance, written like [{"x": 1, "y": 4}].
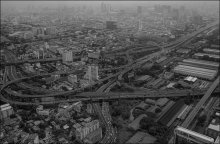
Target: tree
[
  {"x": 116, "y": 112},
  {"x": 146, "y": 123},
  {"x": 125, "y": 114},
  {"x": 161, "y": 141},
  {"x": 201, "y": 120},
  {"x": 41, "y": 134},
  {"x": 157, "y": 110}
]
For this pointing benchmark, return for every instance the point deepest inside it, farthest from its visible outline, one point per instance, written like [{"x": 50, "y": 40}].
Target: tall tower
[
  {"x": 46, "y": 45},
  {"x": 139, "y": 10},
  {"x": 140, "y": 25},
  {"x": 93, "y": 73}
]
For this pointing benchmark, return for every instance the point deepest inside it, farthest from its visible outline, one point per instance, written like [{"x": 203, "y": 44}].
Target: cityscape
[{"x": 109, "y": 72}]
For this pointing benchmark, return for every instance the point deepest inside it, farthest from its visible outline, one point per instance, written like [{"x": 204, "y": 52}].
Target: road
[
  {"x": 110, "y": 136},
  {"x": 131, "y": 66},
  {"x": 200, "y": 104},
  {"x": 104, "y": 115},
  {"x": 11, "y": 72}
]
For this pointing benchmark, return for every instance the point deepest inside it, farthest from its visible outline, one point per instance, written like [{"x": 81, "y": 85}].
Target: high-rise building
[
  {"x": 140, "y": 26},
  {"x": 93, "y": 73},
  {"x": 85, "y": 128},
  {"x": 197, "y": 19},
  {"x": 183, "y": 135},
  {"x": 50, "y": 30},
  {"x": 139, "y": 9},
  {"x": 72, "y": 78},
  {"x": 111, "y": 25},
  {"x": 42, "y": 53},
  {"x": 175, "y": 14},
  {"x": 67, "y": 56},
  {"x": 5, "y": 111},
  {"x": 46, "y": 45},
  {"x": 89, "y": 108},
  {"x": 28, "y": 35},
  {"x": 94, "y": 137}
]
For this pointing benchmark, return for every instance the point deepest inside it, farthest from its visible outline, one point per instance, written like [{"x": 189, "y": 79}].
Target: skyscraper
[
  {"x": 139, "y": 9},
  {"x": 111, "y": 25},
  {"x": 140, "y": 26},
  {"x": 67, "y": 56},
  {"x": 92, "y": 73}
]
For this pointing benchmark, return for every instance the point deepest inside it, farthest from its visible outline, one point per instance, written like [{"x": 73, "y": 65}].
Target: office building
[
  {"x": 85, "y": 128},
  {"x": 139, "y": 9},
  {"x": 28, "y": 35},
  {"x": 111, "y": 25},
  {"x": 72, "y": 78},
  {"x": 175, "y": 14},
  {"x": 140, "y": 25},
  {"x": 50, "y": 30},
  {"x": 188, "y": 136},
  {"x": 92, "y": 73},
  {"x": 94, "y": 137},
  {"x": 103, "y": 7},
  {"x": 89, "y": 108},
  {"x": 5, "y": 111},
  {"x": 94, "y": 55},
  {"x": 46, "y": 45},
  {"x": 67, "y": 56}
]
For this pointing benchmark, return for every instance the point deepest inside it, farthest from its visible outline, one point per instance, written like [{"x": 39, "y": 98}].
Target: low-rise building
[
  {"x": 162, "y": 101},
  {"x": 168, "y": 75},
  {"x": 213, "y": 128},
  {"x": 5, "y": 111},
  {"x": 72, "y": 78},
  {"x": 89, "y": 108},
  {"x": 94, "y": 136},
  {"x": 67, "y": 56},
  {"x": 41, "y": 111},
  {"x": 142, "y": 138},
  {"x": 135, "y": 124},
  {"x": 83, "y": 129}
]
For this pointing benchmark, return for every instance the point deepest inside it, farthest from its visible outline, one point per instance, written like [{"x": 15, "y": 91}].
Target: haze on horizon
[{"x": 201, "y": 6}]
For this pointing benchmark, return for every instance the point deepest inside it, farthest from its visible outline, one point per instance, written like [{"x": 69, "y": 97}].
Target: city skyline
[{"x": 109, "y": 72}]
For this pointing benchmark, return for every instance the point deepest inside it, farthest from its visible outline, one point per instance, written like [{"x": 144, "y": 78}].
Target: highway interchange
[
  {"x": 13, "y": 74},
  {"x": 7, "y": 95}
]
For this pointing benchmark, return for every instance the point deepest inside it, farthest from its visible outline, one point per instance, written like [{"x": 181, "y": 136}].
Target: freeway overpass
[
  {"x": 169, "y": 47},
  {"x": 19, "y": 62},
  {"x": 12, "y": 74},
  {"x": 88, "y": 97},
  {"x": 36, "y": 61},
  {"x": 199, "y": 105}
]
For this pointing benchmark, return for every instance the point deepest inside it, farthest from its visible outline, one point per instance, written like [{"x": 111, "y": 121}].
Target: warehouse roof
[
  {"x": 201, "y": 62},
  {"x": 141, "y": 137},
  {"x": 143, "y": 78},
  {"x": 136, "y": 123},
  {"x": 171, "y": 112},
  {"x": 211, "y": 50},
  {"x": 195, "y": 71},
  {"x": 183, "y": 50},
  {"x": 161, "y": 59},
  {"x": 210, "y": 55}
]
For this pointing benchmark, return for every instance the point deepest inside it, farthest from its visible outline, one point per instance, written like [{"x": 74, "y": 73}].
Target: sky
[{"x": 200, "y": 5}]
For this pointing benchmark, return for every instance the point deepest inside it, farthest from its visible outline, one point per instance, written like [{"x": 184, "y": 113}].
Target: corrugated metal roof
[
  {"x": 201, "y": 62},
  {"x": 195, "y": 71},
  {"x": 211, "y": 50},
  {"x": 210, "y": 55}
]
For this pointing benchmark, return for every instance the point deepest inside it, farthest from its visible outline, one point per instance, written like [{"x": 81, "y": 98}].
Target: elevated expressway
[
  {"x": 129, "y": 67},
  {"x": 12, "y": 96},
  {"x": 18, "y": 62},
  {"x": 104, "y": 115},
  {"x": 12, "y": 74},
  {"x": 200, "y": 104}
]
